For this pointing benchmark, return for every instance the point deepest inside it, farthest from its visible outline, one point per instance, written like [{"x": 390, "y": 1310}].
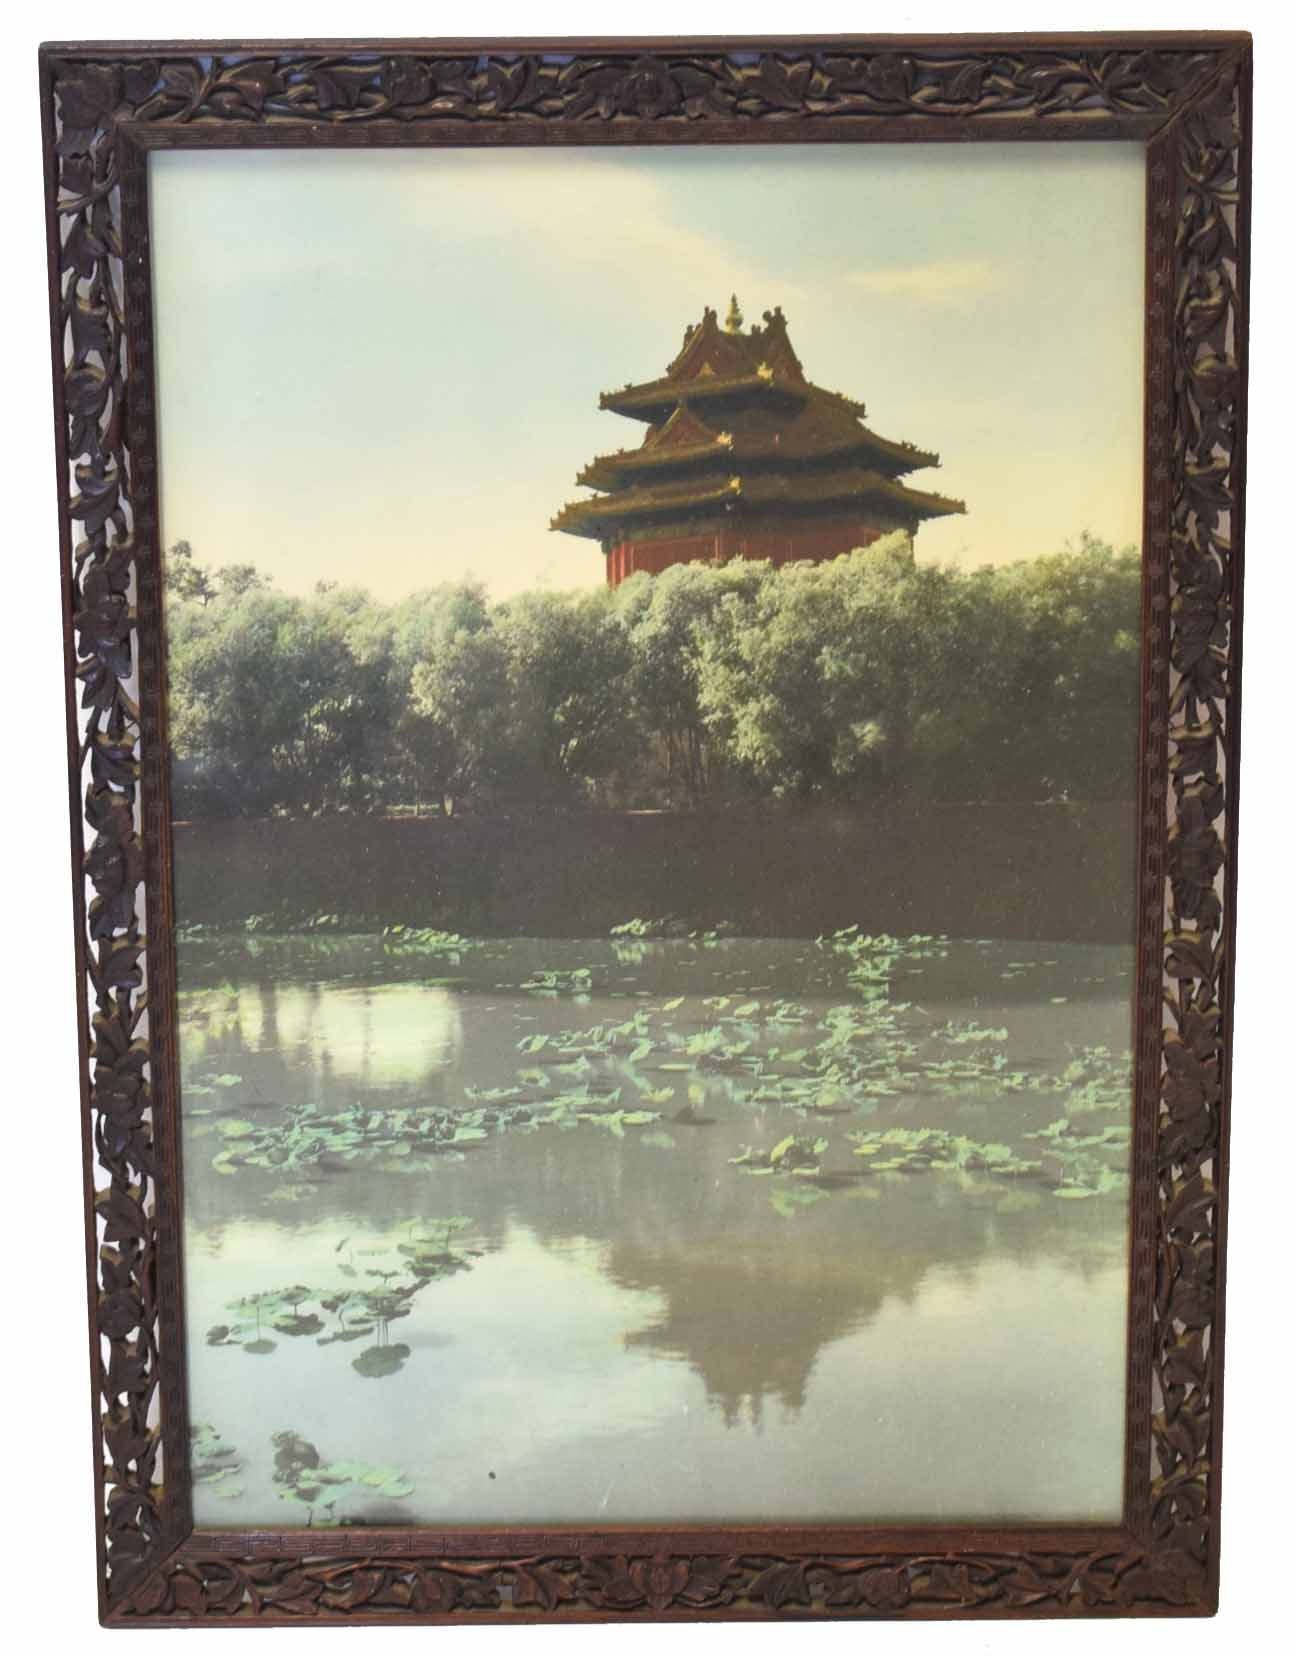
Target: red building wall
[{"x": 780, "y": 544}]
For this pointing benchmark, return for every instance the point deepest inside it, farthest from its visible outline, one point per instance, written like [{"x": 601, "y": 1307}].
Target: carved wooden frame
[{"x": 1187, "y": 99}]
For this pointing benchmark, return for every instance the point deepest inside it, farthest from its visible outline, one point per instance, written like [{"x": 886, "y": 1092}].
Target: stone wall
[{"x": 1046, "y": 872}]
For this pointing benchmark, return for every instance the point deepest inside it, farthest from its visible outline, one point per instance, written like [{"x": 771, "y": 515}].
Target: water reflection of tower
[
  {"x": 748, "y": 1299},
  {"x": 752, "y": 1325},
  {"x": 751, "y": 1301},
  {"x": 749, "y": 1334}
]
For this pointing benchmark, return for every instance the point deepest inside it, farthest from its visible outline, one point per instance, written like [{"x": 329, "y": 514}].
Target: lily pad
[
  {"x": 377, "y": 1362},
  {"x": 297, "y": 1325}
]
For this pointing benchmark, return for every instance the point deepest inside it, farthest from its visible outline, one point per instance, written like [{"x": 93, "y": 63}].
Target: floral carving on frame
[{"x": 1188, "y": 101}]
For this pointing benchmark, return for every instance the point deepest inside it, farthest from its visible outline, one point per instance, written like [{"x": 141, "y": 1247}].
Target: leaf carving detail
[{"x": 1190, "y": 648}]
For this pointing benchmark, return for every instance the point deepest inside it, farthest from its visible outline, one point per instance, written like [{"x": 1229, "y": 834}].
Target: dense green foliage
[{"x": 867, "y": 675}]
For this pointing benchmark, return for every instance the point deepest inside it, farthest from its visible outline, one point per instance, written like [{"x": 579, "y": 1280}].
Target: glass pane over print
[{"x": 654, "y": 950}]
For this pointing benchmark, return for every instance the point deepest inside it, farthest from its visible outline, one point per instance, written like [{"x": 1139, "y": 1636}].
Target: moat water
[{"x": 627, "y": 1231}]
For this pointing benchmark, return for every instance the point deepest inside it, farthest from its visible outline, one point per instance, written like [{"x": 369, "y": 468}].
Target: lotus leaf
[
  {"x": 297, "y": 1325},
  {"x": 376, "y": 1362}
]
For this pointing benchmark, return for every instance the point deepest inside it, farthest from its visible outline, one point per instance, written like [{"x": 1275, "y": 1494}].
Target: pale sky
[{"x": 382, "y": 368}]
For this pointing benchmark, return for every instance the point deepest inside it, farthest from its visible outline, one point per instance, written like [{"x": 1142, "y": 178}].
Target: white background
[{"x": 45, "y": 1501}]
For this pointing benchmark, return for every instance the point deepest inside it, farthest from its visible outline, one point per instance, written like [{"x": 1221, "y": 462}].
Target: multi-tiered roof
[{"x": 734, "y": 427}]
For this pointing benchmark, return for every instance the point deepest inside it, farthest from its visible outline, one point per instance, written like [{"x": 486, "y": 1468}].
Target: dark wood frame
[{"x": 1186, "y": 98}]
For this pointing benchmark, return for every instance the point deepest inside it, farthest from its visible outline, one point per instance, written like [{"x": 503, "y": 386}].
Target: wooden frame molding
[{"x": 1186, "y": 99}]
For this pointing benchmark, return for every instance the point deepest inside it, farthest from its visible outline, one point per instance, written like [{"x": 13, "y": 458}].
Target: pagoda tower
[{"x": 744, "y": 458}]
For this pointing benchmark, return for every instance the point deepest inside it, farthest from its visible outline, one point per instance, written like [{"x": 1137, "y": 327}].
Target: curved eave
[
  {"x": 904, "y": 456},
  {"x": 618, "y": 471},
  {"x": 929, "y": 505},
  {"x": 611, "y": 471},
  {"x": 649, "y": 401},
  {"x": 600, "y": 519},
  {"x": 597, "y": 517}
]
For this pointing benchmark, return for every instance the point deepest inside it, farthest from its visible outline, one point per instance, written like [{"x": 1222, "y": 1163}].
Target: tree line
[{"x": 866, "y": 676}]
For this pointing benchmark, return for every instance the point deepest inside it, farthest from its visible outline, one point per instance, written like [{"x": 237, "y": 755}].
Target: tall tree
[
  {"x": 817, "y": 683},
  {"x": 185, "y": 579},
  {"x": 457, "y": 728},
  {"x": 569, "y": 658},
  {"x": 667, "y": 617}
]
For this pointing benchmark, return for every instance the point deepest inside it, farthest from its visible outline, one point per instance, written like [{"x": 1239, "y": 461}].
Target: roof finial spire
[{"x": 734, "y": 320}]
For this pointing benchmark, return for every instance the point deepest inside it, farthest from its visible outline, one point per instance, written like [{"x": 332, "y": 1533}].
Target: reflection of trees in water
[
  {"x": 285, "y": 1043},
  {"x": 268, "y": 993}
]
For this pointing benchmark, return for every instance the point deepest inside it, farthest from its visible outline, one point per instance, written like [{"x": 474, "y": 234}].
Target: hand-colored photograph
[{"x": 653, "y": 652}]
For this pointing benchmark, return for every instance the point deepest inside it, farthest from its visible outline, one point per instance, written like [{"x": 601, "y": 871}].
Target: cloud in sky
[
  {"x": 597, "y": 226},
  {"x": 938, "y": 282},
  {"x": 613, "y": 234}
]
